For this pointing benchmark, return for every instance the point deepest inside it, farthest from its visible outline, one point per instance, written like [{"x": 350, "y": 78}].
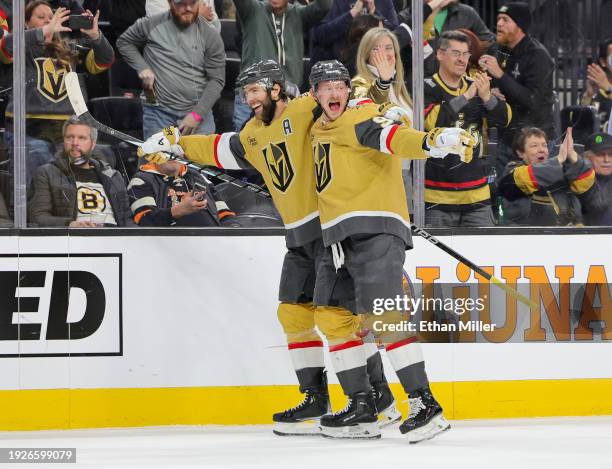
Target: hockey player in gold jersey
[
  {"x": 276, "y": 142},
  {"x": 366, "y": 227}
]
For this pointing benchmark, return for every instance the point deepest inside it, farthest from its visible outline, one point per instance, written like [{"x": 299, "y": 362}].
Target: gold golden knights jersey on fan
[
  {"x": 281, "y": 153},
  {"x": 358, "y": 171},
  {"x": 449, "y": 183}
]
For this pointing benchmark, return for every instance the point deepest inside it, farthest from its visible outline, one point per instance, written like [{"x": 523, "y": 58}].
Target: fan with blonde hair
[{"x": 376, "y": 46}]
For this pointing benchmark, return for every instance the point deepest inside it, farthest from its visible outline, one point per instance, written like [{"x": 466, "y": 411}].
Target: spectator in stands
[
  {"x": 598, "y": 92},
  {"x": 359, "y": 26},
  {"x": 598, "y": 208},
  {"x": 543, "y": 191},
  {"x": 76, "y": 189},
  {"x": 182, "y": 68},
  {"x": 49, "y": 57},
  {"x": 274, "y": 29},
  {"x": 451, "y": 15},
  {"x": 523, "y": 75},
  {"x": 380, "y": 74},
  {"x": 457, "y": 194},
  {"x": 206, "y": 11},
  {"x": 330, "y": 37},
  {"x": 440, "y": 16},
  {"x": 170, "y": 194}
]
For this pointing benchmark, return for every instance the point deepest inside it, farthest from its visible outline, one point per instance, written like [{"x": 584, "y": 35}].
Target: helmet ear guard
[{"x": 328, "y": 70}]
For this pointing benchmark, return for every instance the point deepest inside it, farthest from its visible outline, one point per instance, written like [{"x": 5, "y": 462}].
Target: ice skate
[
  {"x": 425, "y": 419},
  {"x": 385, "y": 405},
  {"x": 357, "y": 420},
  {"x": 304, "y": 418}
]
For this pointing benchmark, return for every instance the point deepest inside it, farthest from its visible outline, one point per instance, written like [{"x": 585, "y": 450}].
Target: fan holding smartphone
[{"x": 50, "y": 52}]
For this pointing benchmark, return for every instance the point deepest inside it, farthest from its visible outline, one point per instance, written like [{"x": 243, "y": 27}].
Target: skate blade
[
  {"x": 388, "y": 416},
  {"x": 365, "y": 431},
  {"x": 304, "y": 428},
  {"x": 437, "y": 425}
]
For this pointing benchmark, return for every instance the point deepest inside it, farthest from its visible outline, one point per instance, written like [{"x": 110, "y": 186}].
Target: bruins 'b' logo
[
  {"x": 279, "y": 164},
  {"x": 322, "y": 165},
  {"x": 50, "y": 79},
  {"x": 90, "y": 200}
]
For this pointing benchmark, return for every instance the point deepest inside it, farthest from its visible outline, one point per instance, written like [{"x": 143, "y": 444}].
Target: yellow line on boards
[{"x": 236, "y": 405}]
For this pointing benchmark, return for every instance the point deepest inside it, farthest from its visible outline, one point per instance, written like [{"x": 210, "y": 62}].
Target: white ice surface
[{"x": 576, "y": 443}]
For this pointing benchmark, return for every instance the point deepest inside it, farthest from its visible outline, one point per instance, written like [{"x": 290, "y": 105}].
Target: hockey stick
[
  {"x": 75, "y": 96},
  {"x": 73, "y": 88}
]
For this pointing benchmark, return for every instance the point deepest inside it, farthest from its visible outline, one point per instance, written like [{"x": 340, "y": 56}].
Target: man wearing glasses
[{"x": 456, "y": 193}]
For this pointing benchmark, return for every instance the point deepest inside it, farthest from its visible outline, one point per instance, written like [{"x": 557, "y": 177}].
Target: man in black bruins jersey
[
  {"x": 276, "y": 142},
  {"x": 366, "y": 227},
  {"x": 458, "y": 194}
]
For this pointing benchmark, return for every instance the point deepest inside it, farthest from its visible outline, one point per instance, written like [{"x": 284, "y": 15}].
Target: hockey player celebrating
[
  {"x": 276, "y": 142},
  {"x": 366, "y": 226}
]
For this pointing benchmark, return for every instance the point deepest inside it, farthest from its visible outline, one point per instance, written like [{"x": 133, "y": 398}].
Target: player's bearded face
[
  {"x": 185, "y": 13},
  {"x": 258, "y": 99},
  {"x": 333, "y": 98},
  {"x": 77, "y": 141}
]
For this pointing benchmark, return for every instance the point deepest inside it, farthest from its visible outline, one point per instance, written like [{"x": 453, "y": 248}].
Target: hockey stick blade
[
  {"x": 75, "y": 95},
  {"x": 73, "y": 88}
]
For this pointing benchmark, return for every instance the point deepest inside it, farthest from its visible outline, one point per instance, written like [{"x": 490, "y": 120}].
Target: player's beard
[{"x": 268, "y": 110}]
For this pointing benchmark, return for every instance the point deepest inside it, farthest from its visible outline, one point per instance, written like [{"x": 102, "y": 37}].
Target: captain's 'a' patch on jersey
[
  {"x": 322, "y": 163},
  {"x": 278, "y": 161}
]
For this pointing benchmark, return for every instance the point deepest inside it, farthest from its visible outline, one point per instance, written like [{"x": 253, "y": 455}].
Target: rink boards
[{"x": 163, "y": 330}]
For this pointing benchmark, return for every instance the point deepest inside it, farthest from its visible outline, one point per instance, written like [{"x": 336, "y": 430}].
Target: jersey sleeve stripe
[
  {"x": 215, "y": 146},
  {"x": 224, "y": 157},
  {"x": 385, "y": 138}
]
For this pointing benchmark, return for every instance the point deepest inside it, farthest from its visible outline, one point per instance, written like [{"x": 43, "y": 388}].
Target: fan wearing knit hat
[
  {"x": 522, "y": 72},
  {"x": 519, "y": 13}
]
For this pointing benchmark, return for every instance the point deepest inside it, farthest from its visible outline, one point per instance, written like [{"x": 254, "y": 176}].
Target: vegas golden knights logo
[
  {"x": 322, "y": 165},
  {"x": 50, "y": 79},
  {"x": 279, "y": 164}
]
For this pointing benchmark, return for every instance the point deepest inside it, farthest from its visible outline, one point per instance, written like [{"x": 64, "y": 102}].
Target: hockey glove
[
  {"x": 158, "y": 157},
  {"x": 395, "y": 113},
  {"x": 440, "y": 142},
  {"x": 164, "y": 141}
]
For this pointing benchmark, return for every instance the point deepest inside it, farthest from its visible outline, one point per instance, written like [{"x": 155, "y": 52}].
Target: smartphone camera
[{"x": 77, "y": 22}]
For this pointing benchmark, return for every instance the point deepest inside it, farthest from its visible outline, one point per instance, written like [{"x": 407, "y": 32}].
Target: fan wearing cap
[
  {"x": 276, "y": 142},
  {"x": 597, "y": 204},
  {"x": 522, "y": 72}
]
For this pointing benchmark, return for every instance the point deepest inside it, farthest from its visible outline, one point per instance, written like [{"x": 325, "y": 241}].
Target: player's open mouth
[
  {"x": 257, "y": 109},
  {"x": 334, "y": 106},
  {"x": 541, "y": 158}
]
